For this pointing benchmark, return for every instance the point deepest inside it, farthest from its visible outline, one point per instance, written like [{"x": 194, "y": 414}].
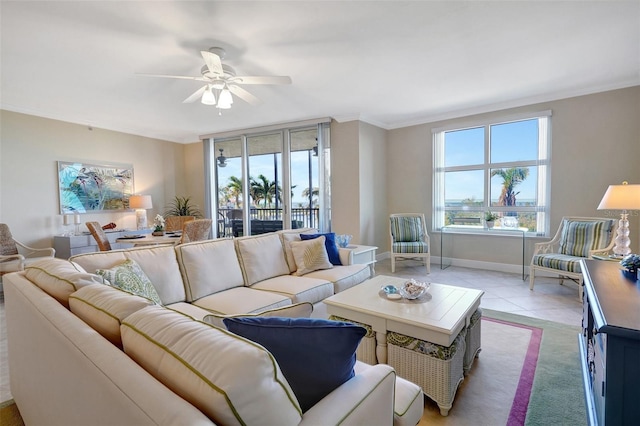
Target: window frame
[{"x": 542, "y": 164}]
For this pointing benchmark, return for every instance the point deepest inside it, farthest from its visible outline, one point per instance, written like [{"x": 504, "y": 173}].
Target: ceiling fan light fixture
[
  {"x": 222, "y": 160},
  {"x": 208, "y": 98},
  {"x": 225, "y": 100}
]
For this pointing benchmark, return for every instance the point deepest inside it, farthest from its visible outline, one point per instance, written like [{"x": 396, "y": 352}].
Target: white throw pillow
[
  {"x": 230, "y": 379},
  {"x": 310, "y": 255}
]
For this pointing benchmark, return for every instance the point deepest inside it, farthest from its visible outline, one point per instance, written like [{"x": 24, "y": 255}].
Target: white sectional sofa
[{"x": 82, "y": 352}]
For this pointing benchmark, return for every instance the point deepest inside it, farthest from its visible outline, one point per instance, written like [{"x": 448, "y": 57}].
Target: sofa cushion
[
  {"x": 208, "y": 267},
  {"x": 579, "y": 237},
  {"x": 159, "y": 263},
  {"x": 130, "y": 277},
  {"x": 330, "y": 244},
  {"x": 299, "y": 310},
  {"x": 104, "y": 307},
  {"x": 241, "y": 300},
  {"x": 59, "y": 278},
  {"x": 343, "y": 277},
  {"x": 310, "y": 255},
  {"x": 297, "y": 289},
  {"x": 261, "y": 257},
  {"x": 287, "y": 238},
  {"x": 230, "y": 379},
  {"x": 315, "y": 355}
]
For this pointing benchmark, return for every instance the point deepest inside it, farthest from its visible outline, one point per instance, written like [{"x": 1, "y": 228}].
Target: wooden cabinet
[
  {"x": 610, "y": 344},
  {"x": 70, "y": 245}
]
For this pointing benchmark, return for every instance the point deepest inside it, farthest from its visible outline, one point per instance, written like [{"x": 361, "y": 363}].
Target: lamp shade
[
  {"x": 140, "y": 202},
  {"x": 621, "y": 197}
]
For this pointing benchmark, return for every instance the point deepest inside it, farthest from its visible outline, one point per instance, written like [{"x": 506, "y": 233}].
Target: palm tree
[
  {"x": 262, "y": 189},
  {"x": 235, "y": 188},
  {"x": 315, "y": 192},
  {"x": 510, "y": 179}
]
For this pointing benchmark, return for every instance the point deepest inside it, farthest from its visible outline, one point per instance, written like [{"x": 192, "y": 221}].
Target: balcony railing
[{"x": 303, "y": 217}]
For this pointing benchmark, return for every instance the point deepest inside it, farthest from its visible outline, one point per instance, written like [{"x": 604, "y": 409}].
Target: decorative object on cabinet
[
  {"x": 490, "y": 219},
  {"x": 621, "y": 197},
  {"x": 99, "y": 235},
  {"x": 577, "y": 238},
  {"x": 610, "y": 345},
  {"x": 90, "y": 188},
  {"x": 141, "y": 203},
  {"x": 14, "y": 255}
]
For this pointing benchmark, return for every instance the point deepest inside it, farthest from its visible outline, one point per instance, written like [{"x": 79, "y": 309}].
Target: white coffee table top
[{"x": 438, "y": 317}]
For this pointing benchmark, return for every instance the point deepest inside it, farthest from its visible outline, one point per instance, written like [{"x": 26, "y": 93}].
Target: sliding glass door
[{"x": 266, "y": 181}]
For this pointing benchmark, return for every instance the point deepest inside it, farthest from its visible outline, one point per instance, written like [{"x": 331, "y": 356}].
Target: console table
[
  {"x": 610, "y": 344},
  {"x": 476, "y": 230},
  {"x": 70, "y": 245}
]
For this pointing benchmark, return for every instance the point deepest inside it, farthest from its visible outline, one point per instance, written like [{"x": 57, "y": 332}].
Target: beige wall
[
  {"x": 595, "y": 143},
  {"x": 30, "y": 148}
]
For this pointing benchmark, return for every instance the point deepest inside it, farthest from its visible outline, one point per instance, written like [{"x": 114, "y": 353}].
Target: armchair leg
[
  {"x": 532, "y": 274},
  {"x": 393, "y": 264}
]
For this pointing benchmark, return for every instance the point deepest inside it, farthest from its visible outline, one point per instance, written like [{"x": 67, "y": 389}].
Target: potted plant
[
  {"x": 158, "y": 225},
  {"x": 631, "y": 265},
  {"x": 181, "y": 206},
  {"x": 490, "y": 219}
]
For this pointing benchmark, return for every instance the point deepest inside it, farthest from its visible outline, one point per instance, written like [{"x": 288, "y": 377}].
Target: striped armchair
[
  {"x": 409, "y": 238},
  {"x": 577, "y": 238}
]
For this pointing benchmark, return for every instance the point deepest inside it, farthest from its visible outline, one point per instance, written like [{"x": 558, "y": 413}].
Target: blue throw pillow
[
  {"x": 315, "y": 355},
  {"x": 329, "y": 243}
]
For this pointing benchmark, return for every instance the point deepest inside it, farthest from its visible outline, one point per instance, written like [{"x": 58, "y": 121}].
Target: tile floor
[{"x": 502, "y": 292}]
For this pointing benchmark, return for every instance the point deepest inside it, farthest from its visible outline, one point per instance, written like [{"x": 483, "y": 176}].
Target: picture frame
[{"x": 92, "y": 188}]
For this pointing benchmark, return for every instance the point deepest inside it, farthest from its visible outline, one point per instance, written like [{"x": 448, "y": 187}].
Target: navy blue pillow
[
  {"x": 329, "y": 243},
  {"x": 315, "y": 355}
]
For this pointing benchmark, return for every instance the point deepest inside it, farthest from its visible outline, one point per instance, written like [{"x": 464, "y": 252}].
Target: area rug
[{"x": 527, "y": 373}]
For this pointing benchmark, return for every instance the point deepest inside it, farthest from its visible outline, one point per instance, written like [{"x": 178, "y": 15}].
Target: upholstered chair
[
  {"x": 196, "y": 230},
  {"x": 577, "y": 238},
  {"x": 409, "y": 238},
  {"x": 174, "y": 223},
  {"x": 14, "y": 255},
  {"x": 99, "y": 235}
]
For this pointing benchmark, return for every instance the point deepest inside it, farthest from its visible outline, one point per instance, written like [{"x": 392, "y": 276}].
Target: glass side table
[{"x": 448, "y": 230}]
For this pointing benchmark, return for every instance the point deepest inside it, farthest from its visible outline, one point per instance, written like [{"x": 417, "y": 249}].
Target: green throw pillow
[{"x": 130, "y": 277}]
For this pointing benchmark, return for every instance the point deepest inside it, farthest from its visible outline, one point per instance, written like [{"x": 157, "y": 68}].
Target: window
[{"x": 500, "y": 167}]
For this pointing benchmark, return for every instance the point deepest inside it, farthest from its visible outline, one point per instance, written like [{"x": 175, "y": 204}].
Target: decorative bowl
[
  {"x": 413, "y": 289},
  {"x": 343, "y": 240}
]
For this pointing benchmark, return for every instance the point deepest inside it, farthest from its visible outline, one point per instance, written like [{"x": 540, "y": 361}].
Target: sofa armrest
[
  {"x": 346, "y": 255},
  {"x": 365, "y": 399}
]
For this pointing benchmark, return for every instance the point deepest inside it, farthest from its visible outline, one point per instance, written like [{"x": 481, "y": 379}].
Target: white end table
[{"x": 364, "y": 255}]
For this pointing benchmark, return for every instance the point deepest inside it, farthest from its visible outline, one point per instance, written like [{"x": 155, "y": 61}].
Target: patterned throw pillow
[
  {"x": 406, "y": 229},
  {"x": 310, "y": 255},
  {"x": 130, "y": 277},
  {"x": 329, "y": 243}
]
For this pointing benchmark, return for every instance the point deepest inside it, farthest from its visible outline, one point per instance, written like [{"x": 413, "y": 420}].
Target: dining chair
[
  {"x": 409, "y": 238},
  {"x": 99, "y": 235},
  {"x": 196, "y": 230},
  {"x": 174, "y": 223},
  {"x": 14, "y": 255}
]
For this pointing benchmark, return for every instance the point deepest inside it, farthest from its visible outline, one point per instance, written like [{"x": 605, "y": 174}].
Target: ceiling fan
[{"x": 221, "y": 80}]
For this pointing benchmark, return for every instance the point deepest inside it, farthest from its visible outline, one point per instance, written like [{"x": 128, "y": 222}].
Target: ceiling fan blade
[
  {"x": 196, "y": 95},
  {"x": 243, "y": 94},
  {"x": 267, "y": 79},
  {"x": 183, "y": 77},
  {"x": 213, "y": 62}
]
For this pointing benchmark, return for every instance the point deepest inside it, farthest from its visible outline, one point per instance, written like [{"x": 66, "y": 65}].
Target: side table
[{"x": 365, "y": 255}]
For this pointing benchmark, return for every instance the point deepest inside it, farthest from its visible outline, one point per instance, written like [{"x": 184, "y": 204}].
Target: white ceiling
[{"x": 390, "y": 63}]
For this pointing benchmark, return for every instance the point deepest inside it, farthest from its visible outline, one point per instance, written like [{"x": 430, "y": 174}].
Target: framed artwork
[{"x": 93, "y": 188}]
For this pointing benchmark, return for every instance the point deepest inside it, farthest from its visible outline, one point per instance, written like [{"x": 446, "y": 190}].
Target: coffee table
[{"x": 438, "y": 317}]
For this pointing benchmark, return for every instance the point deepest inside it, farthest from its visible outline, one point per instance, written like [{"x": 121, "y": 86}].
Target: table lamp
[
  {"x": 141, "y": 203},
  {"x": 621, "y": 197}
]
